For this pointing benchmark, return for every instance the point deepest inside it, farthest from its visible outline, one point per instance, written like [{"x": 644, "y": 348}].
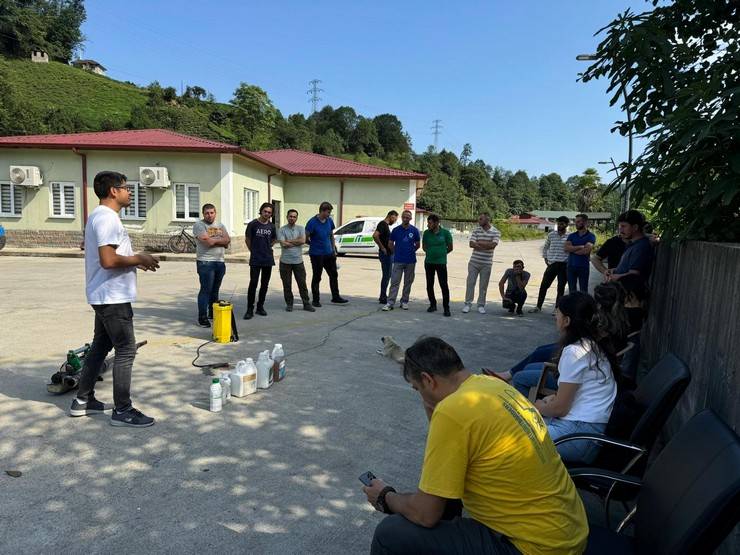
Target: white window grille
[
  {"x": 137, "y": 209},
  {"x": 251, "y": 204},
  {"x": 187, "y": 201},
  {"x": 11, "y": 199},
  {"x": 63, "y": 200}
]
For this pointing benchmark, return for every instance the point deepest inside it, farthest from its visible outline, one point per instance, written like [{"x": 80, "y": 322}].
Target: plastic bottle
[
  {"x": 278, "y": 362},
  {"x": 216, "y": 403},
  {"x": 225, "y": 387},
  {"x": 244, "y": 378},
  {"x": 264, "y": 370}
]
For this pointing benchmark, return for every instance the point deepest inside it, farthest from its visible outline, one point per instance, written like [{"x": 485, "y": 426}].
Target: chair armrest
[
  {"x": 626, "y": 350},
  {"x": 586, "y": 472},
  {"x": 600, "y": 438},
  {"x": 634, "y": 334}
]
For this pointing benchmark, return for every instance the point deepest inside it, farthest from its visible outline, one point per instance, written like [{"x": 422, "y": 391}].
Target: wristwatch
[{"x": 381, "y": 499}]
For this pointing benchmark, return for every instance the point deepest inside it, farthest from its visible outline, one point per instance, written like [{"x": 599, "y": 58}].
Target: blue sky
[{"x": 500, "y": 75}]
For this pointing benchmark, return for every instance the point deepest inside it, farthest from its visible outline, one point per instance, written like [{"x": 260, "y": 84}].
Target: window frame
[
  {"x": 15, "y": 190},
  {"x": 187, "y": 207},
  {"x": 138, "y": 190},
  {"x": 64, "y": 215},
  {"x": 256, "y": 193}
]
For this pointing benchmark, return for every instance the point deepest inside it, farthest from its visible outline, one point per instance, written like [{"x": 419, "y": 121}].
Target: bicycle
[
  {"x": 182, "y": 242},
  {"x": 3, "y": 238}
]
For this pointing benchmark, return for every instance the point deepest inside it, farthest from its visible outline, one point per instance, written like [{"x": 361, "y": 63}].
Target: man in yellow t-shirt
[{"x": 488, "y": 446}]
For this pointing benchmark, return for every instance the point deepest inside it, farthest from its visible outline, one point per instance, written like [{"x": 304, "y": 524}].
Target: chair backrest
[
  {"x": 690, "y": 498},
  {"x": 659, "y": 393}
]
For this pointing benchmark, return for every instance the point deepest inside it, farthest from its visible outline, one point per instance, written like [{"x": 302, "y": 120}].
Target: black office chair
[{"x": 689, "y": 499}]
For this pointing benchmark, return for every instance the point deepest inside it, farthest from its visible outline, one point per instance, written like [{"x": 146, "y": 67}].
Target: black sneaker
[
  {"x": 204, "y": 323},
  {"x": 261, "y": 311},
  {"x": 339, "y": 300},
  {"x": 317, "y": 304},
  {"x": 447, "y": 312},
  {"x": 92, "y": 406},
  {"x": 132, "y": 417},
  {"x": 289, "y": 308},
  {"x": 308, "y": 308},
  {"x": 432, "y": 308},
  {"x": 383, "y": 301},
  {"x": 248, "y": 315}
]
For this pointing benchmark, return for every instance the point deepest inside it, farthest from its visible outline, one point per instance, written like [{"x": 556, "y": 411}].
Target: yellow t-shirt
[{"x": 488, "y": 446}]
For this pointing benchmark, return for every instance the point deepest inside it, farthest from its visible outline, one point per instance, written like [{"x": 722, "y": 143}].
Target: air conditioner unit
[
  {"x": 154, "y": 177},
  {"x": 27, "y": 176}
]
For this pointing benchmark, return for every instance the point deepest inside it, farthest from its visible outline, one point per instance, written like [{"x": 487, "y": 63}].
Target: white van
[{"x": 356, "y": 236}]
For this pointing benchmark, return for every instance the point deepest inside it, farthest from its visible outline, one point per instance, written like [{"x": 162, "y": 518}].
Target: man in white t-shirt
[{"x": 110, "y": 284}]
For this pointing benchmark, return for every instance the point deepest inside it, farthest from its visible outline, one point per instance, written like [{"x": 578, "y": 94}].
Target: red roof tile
[
  {"x": 142, "y": 139},
  {"x": 298, "y": 162}
]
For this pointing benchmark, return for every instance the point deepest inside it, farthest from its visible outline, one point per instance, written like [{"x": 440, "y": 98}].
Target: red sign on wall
[{"x": 409, "y": 206}]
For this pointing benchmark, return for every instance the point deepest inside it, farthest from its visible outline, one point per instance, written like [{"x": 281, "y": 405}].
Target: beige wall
[{"x": 306, "y": 193}]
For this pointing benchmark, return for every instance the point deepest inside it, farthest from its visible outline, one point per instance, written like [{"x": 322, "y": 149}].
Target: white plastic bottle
[
  {"x": 251, "y": 377},
  {"x": 264, "y": 370},
  {"x": 244, "y": 378},
  {"x": 216, "y": 402},
  {"x": 278, "y": 362},
  {"x": 225, "y": 387}
]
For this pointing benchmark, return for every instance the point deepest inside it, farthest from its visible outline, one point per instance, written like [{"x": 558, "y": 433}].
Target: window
[
  {"x": 63, "y": 200},
  {"x": 11, "y": 199},
  {"x": 251, "y": 204},
  {"x": 354, "y": 227},
  {"x": 187, "y": 201},
  {"x": 137, "y": 209}
]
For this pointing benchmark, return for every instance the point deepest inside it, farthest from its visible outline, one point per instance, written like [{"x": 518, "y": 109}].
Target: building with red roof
[{"x": 46, "y": 184}]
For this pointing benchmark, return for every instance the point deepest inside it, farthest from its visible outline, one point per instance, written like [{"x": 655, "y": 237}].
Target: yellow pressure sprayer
[{"x": 224, "y": 323}]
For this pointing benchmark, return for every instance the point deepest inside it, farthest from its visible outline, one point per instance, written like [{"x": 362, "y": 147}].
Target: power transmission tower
[
  {"x": 436, "y": 131},
  {"x": 314, "y": 92}
]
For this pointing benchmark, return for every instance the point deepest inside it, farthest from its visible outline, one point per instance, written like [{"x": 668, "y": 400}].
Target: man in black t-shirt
[
  {"x": 381, "y": 236},
  {"x": 260, "y": 236},
  {"x": 611, "y": 251}
]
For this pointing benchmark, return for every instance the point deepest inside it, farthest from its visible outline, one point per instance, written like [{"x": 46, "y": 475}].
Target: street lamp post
[{"x": 625, "y": 193}]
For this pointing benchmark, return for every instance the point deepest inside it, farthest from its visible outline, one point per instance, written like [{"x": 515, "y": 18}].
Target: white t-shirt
[
  {"x": 595, "y": 397},
  {"x": 117, "y": 285}
]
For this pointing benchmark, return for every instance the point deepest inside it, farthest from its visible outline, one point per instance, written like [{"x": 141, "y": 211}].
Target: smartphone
[{"x": 367, "y": 477}]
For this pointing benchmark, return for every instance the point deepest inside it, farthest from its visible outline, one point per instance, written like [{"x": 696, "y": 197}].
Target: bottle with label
[
  {"x": 264, "y": 370},
  {"x": 244, "y": 378},
  {"x": 216, "y": 402},
  {"x": 278, "y": 362},
  {"x": 225, "y": 387}
]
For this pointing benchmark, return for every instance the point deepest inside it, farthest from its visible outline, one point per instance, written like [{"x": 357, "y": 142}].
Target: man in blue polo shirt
[
  {"x": 638, "y": 255},
  {"x": 323, "y": 253},
  {"x": 578, "y": 246},
  {"x": 404, "y": 242}
]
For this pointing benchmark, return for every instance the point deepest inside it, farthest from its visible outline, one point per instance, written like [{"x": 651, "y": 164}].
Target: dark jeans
[
  {"x": 211, "y": 274},
  {"x": 441, "y": 271},
  {"x": 396, "y": 535},
  {"x": 386, "y": 267},
  {"x": 518, "y": 297},
  {"x": 287, "y": 271},
  {"x": 328, "y": 262},
  {"x": 526, "y": 373},
  {"x": 114, "y": 329},
  {"x": 554, "y": 270},
  {"x": 254, "y": 276},
  {"x": 578, "y": 276}
]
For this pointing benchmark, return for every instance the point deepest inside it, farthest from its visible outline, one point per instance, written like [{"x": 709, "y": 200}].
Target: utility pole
[
  {"x": 314, "y": 92},
  {"x": 436, "y": 131}
]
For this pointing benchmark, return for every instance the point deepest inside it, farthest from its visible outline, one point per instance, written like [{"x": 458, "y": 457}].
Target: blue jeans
[
  {"x": 386, "y": 267},
  {"x": 578, "y": 276},
  {"x": 529, "y": 376},
  {"x": 211, "y": 274},
  {"x": 543, "y": 353},
  {"x": 575, "y": 451}
]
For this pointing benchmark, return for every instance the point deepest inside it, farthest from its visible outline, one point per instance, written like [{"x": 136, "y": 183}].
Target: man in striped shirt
[
  {"x": 484, "y": 239},
  {"x": 556, "y": 260}
]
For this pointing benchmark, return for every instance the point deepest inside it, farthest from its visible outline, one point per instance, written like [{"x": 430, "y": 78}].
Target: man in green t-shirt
[{"x": 436, "y": 242}]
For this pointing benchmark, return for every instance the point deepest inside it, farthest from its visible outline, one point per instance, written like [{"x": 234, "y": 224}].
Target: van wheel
[{"x": 341, "y": 254}]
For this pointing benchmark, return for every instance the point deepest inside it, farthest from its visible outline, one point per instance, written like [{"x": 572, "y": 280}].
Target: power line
[
  {"x": 436, "y": 131},
  {"x": 314, "y": 92}
]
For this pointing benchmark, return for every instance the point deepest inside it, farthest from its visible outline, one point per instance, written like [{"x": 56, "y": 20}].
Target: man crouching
[{"x": 488, "y": 446}]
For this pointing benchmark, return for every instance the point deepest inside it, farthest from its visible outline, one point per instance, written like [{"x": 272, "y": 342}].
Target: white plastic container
[
  {"x": 278, "y": 362},
  {"x": 244, "y": 378},
  {"x": 264, "y": 370},
  {"x": 225, "y": 387},
  {"x": 216, "y": 403}
]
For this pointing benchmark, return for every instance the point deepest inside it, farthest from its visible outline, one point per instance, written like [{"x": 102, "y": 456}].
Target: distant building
[
  {"x": 90, "y": 65},
  {"x": 40, "y": 57},
  {"x": 595, "y": 218}
]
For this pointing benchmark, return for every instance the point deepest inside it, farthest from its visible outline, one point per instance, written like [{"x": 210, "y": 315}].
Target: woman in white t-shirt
[{"x": 586, "y": 385}]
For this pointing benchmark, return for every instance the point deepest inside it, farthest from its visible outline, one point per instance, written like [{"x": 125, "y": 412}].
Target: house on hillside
[
  {"x": 533, "y": 222},
  {"x": 89, "y": 65},
  {"x": 39, "y": 56},
  {"x": 46, "y": 192}
]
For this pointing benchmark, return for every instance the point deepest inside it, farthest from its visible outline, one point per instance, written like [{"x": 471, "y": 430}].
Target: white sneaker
[
  {"x": 481, "y": 310},
  {"x": 387, "y": 307},
  {"x": 466, "y": 309},
  {"x": 404, "y": 306}
]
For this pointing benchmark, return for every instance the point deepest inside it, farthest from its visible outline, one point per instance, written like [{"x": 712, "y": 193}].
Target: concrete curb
[{"x": 74, "y": 253}]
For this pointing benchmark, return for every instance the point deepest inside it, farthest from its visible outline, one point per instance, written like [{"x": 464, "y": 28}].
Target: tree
[
  {"x": 254, "y": 117},
  {"x": 196, "y": 92},
  {"x": 330, "y": 144},
  {"x": 588, "y": 191},
  {"x": 678, "y": 66},
  {"x": 444, "y": 196},
  {"x": 521, "y": 193},
  {"x": 391, "y": 135},
  {"x": 465, "y": 155},
  {"x": 554, "y": 193},
  {"x": 364, "y": 138}
]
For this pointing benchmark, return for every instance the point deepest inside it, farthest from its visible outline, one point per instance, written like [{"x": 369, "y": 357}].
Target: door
[
  {"x": 276, "y": 213},
  {"x": 348, "y": 235}
]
